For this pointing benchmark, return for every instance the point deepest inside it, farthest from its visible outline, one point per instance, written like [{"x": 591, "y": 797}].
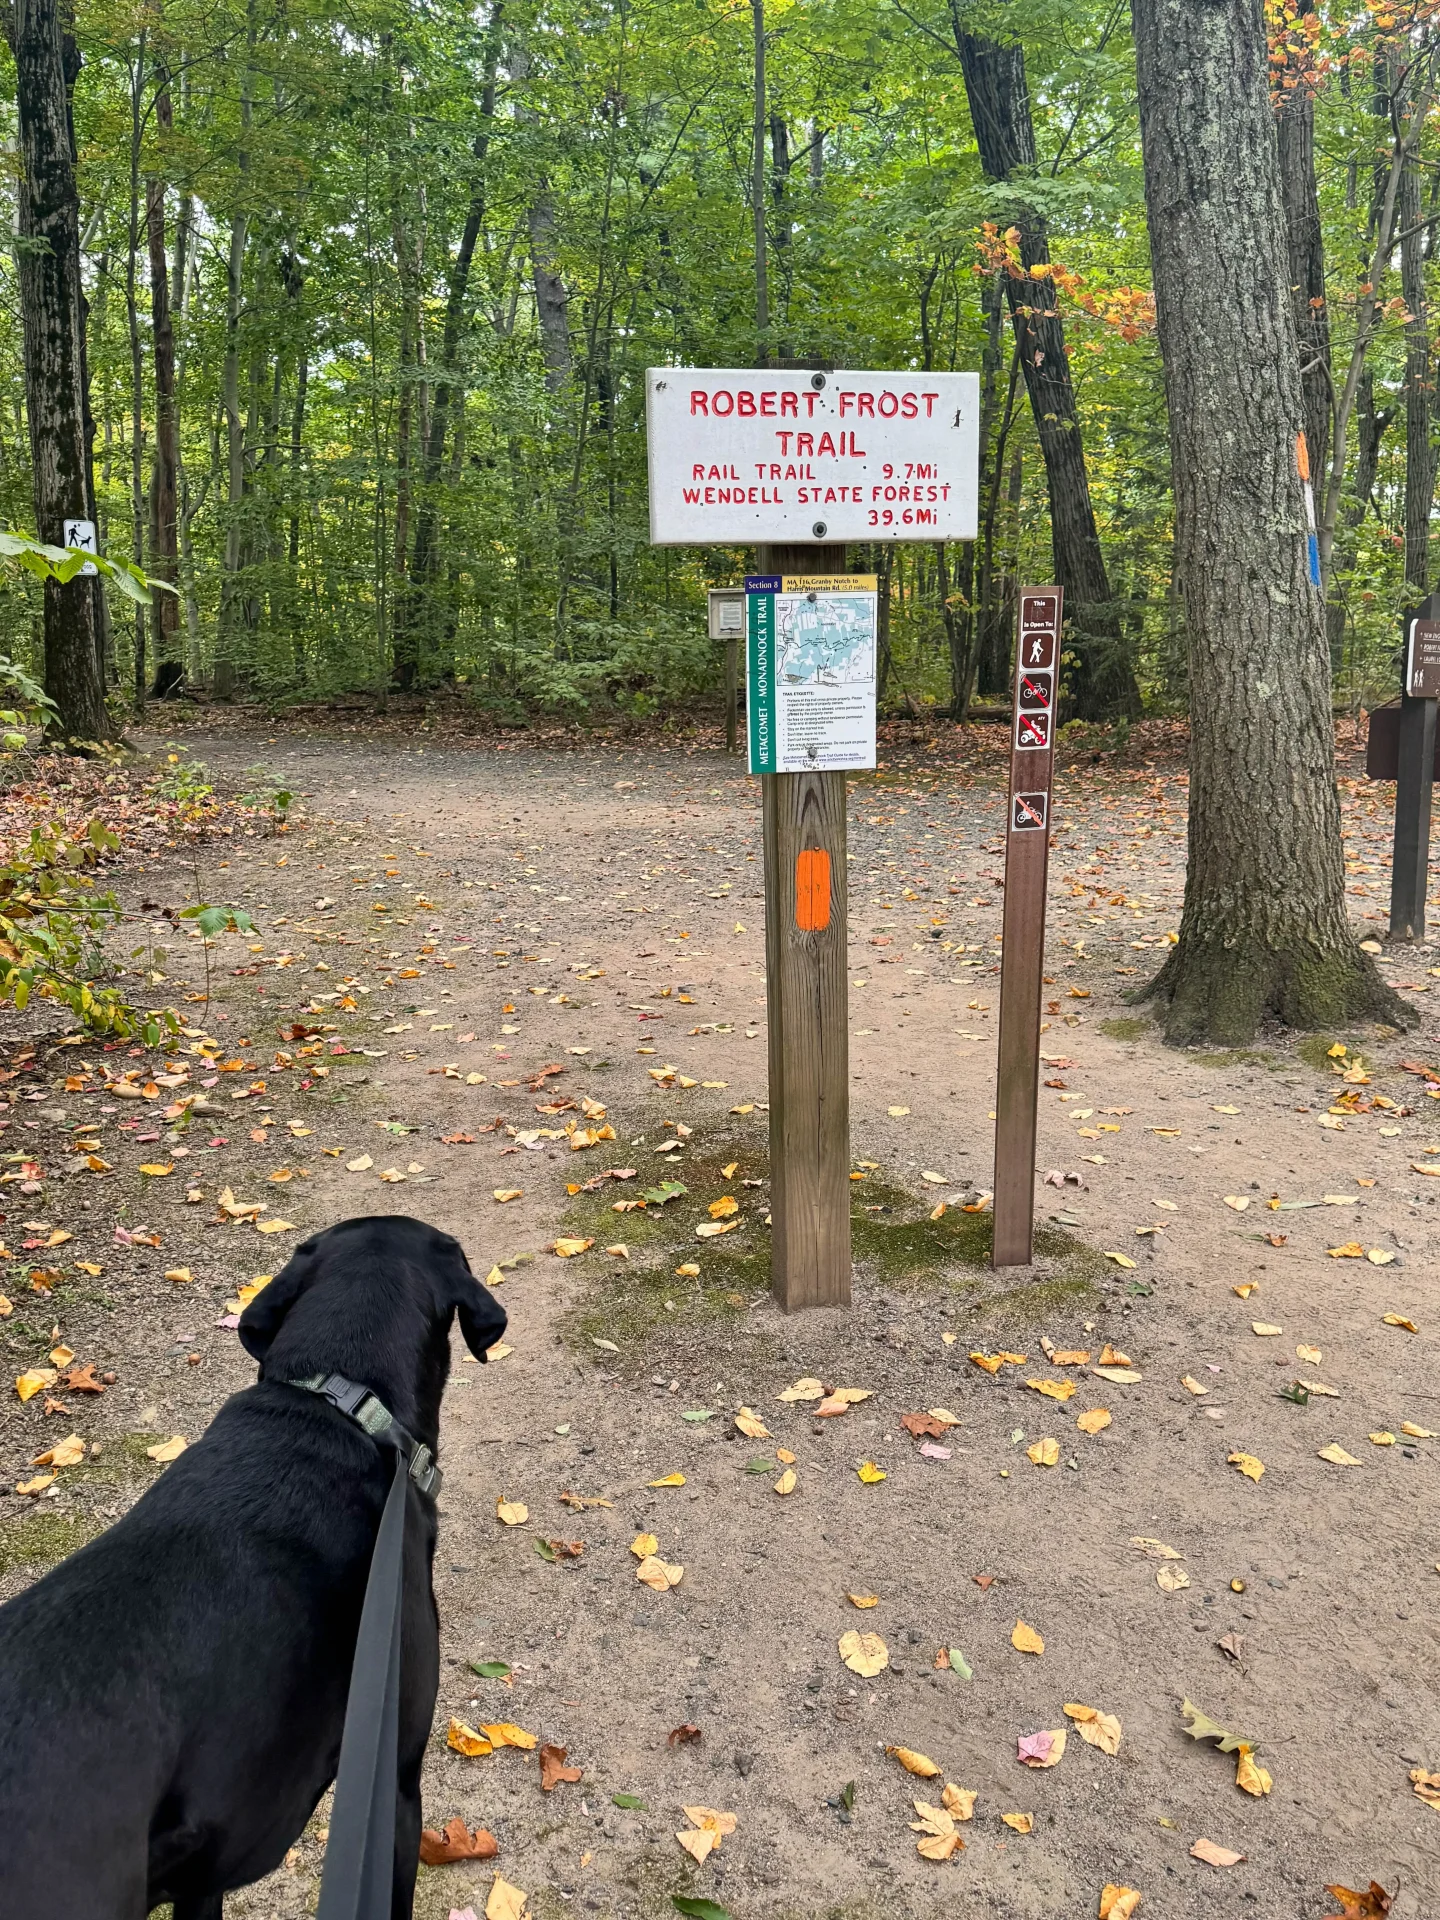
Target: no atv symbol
[{"x": 1032, "y": 730}]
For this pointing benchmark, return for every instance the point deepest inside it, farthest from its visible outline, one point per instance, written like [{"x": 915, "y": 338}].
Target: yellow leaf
[
  {"x": 1247, "y": 1464},
  {"x": 68, "y": 1452},
  {"x": 943, "y": 1415},
  {"x": 1053, "y": 1389},
  {"x": 1025, "y": 1639},
  {"x": 170, "y": 1449},
  {"x": 505, "y": 1733},
  {"x": 511, "y": 1513},
  {"x": 27, "y": 1385},
  {"x": 959, "y": 1802},
  {"x": 1379, "y": 1256},
  {"x": 643, "y": 1545},
  {"x": 1098, "y": 1729},
  {"x": 88, "y": 1266},
  {"x": 156, "y": 1168},
  {"x": 61, "y": 1356},
  {"x": 992, "y": 1362},
  {"x": 785, "y": 1457},
  {"x": 504, "y": 1194},
  {"x": 177, "y": 1274},
  {"x": 787, "y": 1481},
  {"x": 1118, "y": 1903},
  {"x": 467, "y": 1741},
  {"x": 917, "y": 1763},
  {"x": 864, "y": 1653},
  {"x": 722, "y": 1208},
  {"x": 700, "y": 1843},
  {"x": 1396, "y": 1320},
  {"x": 1311, "y": 1354},
  {"x": 1172, "y": 1579},
  {"x": 504, "y": 1902},
  {"x": 869, "y": 1473},
  {"x": 568, "y": 1248},
  {"x": 897, "y": 1113},
  {"x": 1264, "y": 1328},
  {"x": 712, "y": 1229},
  {"x": 863, "y": 1600},
  {"x": 669, "y": 1480},
  {"x": 363, "y": 1164},
  {"x": 1426, "y": 1786},
  {"x": 1238, "y": 1201},
  {"x": 1337, "y": 1456},
  {"x": 659, "y": 1574},
  {"x": 37, "y": 1485},
  {"x": 1352, "y": 1250},
  {"x": 748, "y": 1422},
  {"x": 1250, "y": 1776},
  {"x": 1045, "y": 1453},
  {"x": 711, "y": 1820},
  {"x": 807, "y": 1389},
  {"x": 1093, "y": 1420},
  {"x": 1021, "y": 1822},
  {"x": 275, "y": 1226},
  {"x": 1416, "y": 1433},
  {"x": 1120, "y": 1259},
  {"x": 1382, "y": 1439},
  {"x": 1246, "y": 1288},
  {"x": 1118, "y": 1376}
]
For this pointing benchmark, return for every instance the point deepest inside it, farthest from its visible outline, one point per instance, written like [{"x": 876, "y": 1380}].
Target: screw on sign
[{"x": 1027, "y": 859}]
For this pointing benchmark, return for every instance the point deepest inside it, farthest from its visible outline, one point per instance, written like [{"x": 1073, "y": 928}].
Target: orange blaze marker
[{"x": 812, "y": 890}]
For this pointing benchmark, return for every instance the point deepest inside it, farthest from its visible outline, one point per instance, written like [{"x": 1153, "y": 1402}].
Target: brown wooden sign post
[
  {"x": 807, "y": 1004},
  {"x": 1410, "y": 872},
  {"x": 1027, "y": 864}
]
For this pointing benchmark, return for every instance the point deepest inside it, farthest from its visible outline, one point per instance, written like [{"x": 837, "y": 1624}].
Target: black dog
[{"x": 172, "y": 1696}]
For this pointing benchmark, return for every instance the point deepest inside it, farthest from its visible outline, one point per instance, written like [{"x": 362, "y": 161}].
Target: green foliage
[
  {"x": 267, "y": 795},
  {"x": 217, "y": 920},
  {"x": 186, "y": 782},
  {"x": 50, "y": 919}
]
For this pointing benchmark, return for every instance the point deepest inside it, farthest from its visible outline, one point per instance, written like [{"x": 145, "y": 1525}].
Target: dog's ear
[
  {"x": 261, "y": 1320},
  {"x": 482, "y": 1318}
]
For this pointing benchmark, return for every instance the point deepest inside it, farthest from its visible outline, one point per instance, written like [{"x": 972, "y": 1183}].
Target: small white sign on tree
[{"x": 739, "y": 455}]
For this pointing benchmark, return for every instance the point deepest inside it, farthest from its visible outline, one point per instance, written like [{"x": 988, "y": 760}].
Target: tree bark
[
  {"x": 164, "y": 477},
  {"x": 1419, "y": 390},
  {"x": 1103, "y": 682},
  {"x": 1264, "y": 930},
  {"x": 53, "y": 311}
]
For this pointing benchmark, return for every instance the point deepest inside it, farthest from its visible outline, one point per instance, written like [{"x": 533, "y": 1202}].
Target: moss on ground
[
  {"x": 1128, "y": 1027},
  {"x": 1314, "y": 1049},
  {"x": 1239, "y": 1057},
  {"x": 43, "y": 1539}
]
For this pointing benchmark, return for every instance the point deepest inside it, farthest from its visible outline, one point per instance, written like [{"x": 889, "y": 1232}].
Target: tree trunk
[
  {"x": 1103, "y": 683},
  {"x": 1264, "y": 929},
  {"x": 53, "y": 310},
  {"x": 230, "y": 607},
  {"x": 552, "y": 297},
  {"x": 164, "y": 478},
  {"x": 1305, "y": 252},
  {"x": 1419, "y": 394}
]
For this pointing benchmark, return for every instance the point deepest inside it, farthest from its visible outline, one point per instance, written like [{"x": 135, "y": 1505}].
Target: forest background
[{"x": 372, "y": 289}]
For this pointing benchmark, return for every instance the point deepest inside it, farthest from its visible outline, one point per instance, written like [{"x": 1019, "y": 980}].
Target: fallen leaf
[
  {"x": 1312, "y": 1354},
  {"x": 643, "y": 1545},
  {"x": 456, "y": 1843},
  {"x": 504, "y": 1901},
  {"x": 1053, "y": 1389},
  {"x": 1025, "y": 1639},
  {"x": 724, "y": 1207},
  {"x": 864, "y": 1653},
  {"x": 1398, "y": 1320},
  {"x": 937, "y": 1825},
  {"x": 466, "y": 1740},
  {"x": 1426, "y": 1786},
  {"x": 1172, "y": 1579},
  {"x": 170, "y": 1449},
  {"x": 1373, "y": 1904},
  {"x": 1416, "y": 1433},
  {"x": 863, "y": 1600},
  {"x": 699, "y": 1843},
  {"x": 1097, "y": 1729},
  {"x": 1093, "y": 1420},
  {"x": 1044, "y": 1749},
  {"x": 1021, "y": 1822},
  {"x": 1250, "y": 1777},
  {"x": 1214, "y": 1855},
  {"x": 1118, "y": 1903},
  {"x": 682, "y": 1736},
  {"x": 1045, "y": 1453},
  {"x": 748, "y": 1422},
  {"x": 37, "y": 1485},
  {"x": 28, "y": 1384},
  {"x": 786, "y": 1483},
  {"x": 1199, "y": 1726},
  {"x": 1191, "y": 1385},
  {"x": 869, "y": 1473},
  {"x": 511, "y": 1513},
  {"x": 553, "y": 1769},
  {"x": 658, "y": 1574},
  {"x": 1337, "y": 1456},
  {"x": 504, "y": 1194},
  {"x": 916, "y": 1763},
  {"x": 505, "y": 1733},
  {"x": 959, "y": 1802},
  {"x": 1238, "y": 1201},
  {"x": 806, "y": 1389},
  {"x": 669, "y": 1480},
  {"x": 363, "y": 1163},
  {"x": 1264, "y": 1328},
  {"x": 1120, "y": 1259},
  {"x": 68, "y": 1452},
  {"x": 1247, "y": 1464},
  {"x": 568, "y": 1248},
  {"x": 156, "y": 1169}
]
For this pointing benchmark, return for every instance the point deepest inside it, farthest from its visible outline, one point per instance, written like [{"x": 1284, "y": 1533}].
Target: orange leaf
[
  {"x": 553, "y": 1768},
  {"x": 456, "y": 1843}
]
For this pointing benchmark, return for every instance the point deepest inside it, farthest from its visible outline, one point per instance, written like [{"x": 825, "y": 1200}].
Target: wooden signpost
[
  {"x": 1410, "y": 874},
  {"x": 1027, "y": 865},
  {"x": 796, "y": 462}
]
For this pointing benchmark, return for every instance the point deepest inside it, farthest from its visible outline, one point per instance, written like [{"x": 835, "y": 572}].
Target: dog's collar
[{"x": 368, "y": 1411}]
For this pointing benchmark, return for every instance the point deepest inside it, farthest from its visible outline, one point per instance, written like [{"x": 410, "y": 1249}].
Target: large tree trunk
[
  {"x": 1419, "y": 391},
  {"x": 164, "y": 477},
  {"x": 53, "y": 310},
  {"x": 1104, "y": 681},
  {"x": 1264, "y": 929}
]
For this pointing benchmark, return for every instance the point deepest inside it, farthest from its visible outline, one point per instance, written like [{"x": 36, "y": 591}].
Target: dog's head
[{"x": 373, "y": 1299}]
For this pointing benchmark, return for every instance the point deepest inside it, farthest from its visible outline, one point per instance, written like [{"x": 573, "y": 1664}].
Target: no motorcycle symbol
[{"x": 1028, "y": 812}]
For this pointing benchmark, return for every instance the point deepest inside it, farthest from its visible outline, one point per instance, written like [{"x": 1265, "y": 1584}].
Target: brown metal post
[
  {"x": 732, "y": 693},
  {"x": 1027, "y": 862},
  {"x": 807, "y": 1002}
]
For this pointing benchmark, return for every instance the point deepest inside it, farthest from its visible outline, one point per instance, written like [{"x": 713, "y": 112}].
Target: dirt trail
[{"x": 600, "y": 910}]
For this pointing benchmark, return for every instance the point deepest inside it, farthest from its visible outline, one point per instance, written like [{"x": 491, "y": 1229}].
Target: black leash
[{"x": 359, "y": 1875}]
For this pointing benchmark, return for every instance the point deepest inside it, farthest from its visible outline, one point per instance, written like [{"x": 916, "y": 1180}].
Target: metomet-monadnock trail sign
[
  {"x": 742, "y": 454},
  {"x": 794, "y": 462}
]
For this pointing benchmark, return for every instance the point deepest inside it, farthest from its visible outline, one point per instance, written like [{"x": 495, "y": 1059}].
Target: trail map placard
[
  {"x": 739, "y": 455},
  {"x": 812, "y": 672}
]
